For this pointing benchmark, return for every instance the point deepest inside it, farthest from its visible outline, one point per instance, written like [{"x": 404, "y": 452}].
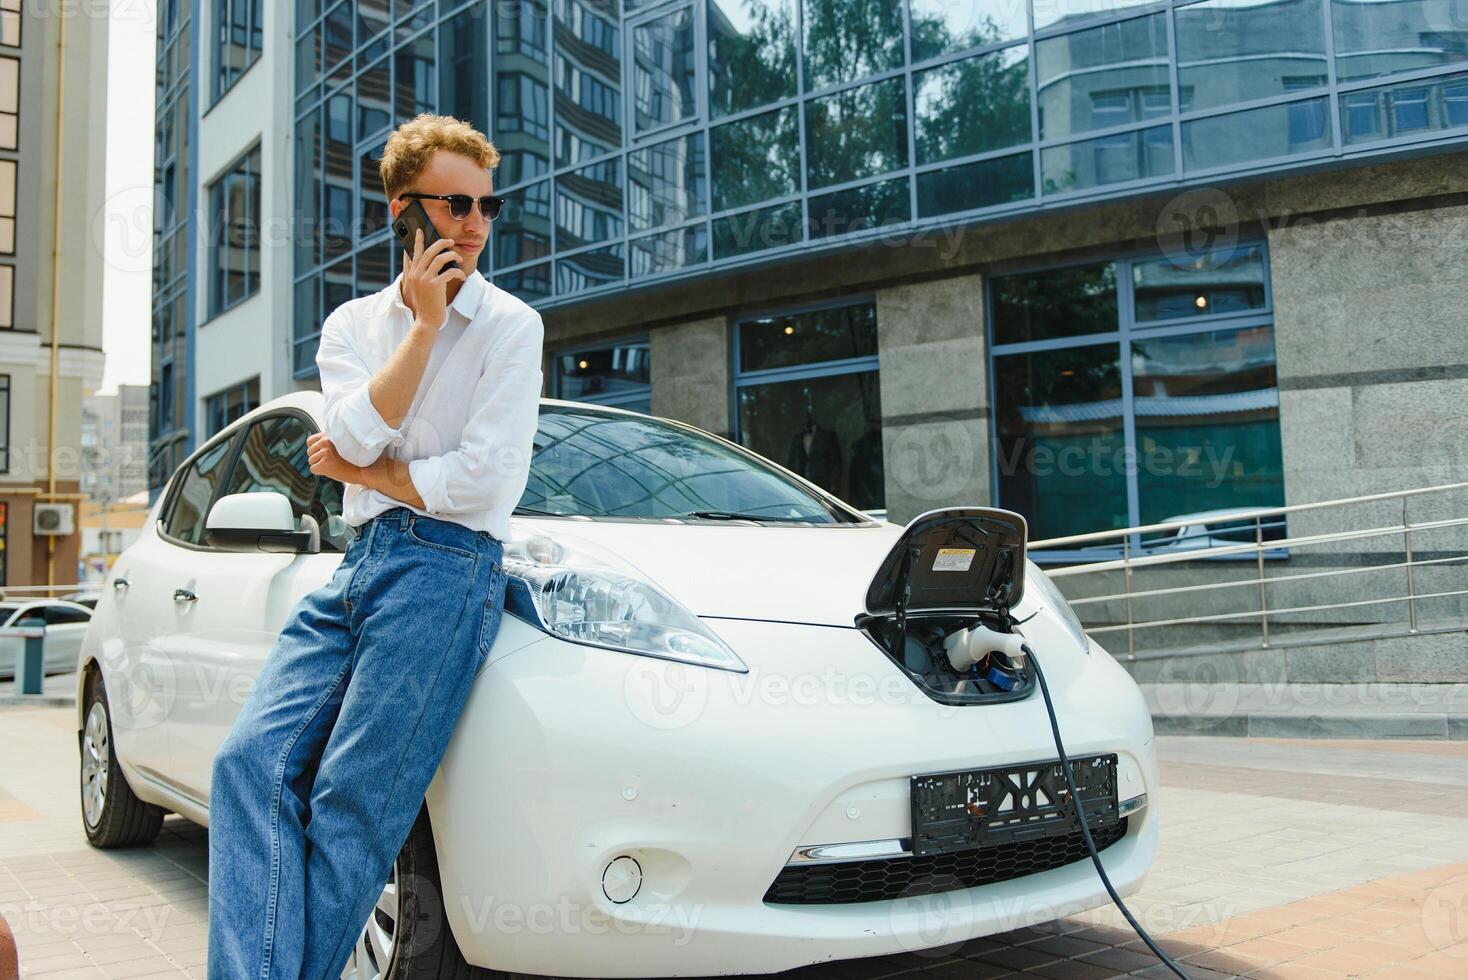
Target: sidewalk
[
  {"x": 1279, "y": 859},
  {"x": 58, "y": 691}
]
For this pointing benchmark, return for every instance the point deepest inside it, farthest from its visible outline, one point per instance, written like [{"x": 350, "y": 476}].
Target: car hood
[{"x": 815, "y": 575}]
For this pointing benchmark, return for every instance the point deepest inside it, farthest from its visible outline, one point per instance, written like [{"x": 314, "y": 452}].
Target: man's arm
[
  {"x": 365, "y": 412},
  {"x": 493, "y": 455},
  {"x": 390, "y": 476}
]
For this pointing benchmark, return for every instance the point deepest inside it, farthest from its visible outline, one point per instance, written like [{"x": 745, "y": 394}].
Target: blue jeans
[{"x": 319, "y": 781}]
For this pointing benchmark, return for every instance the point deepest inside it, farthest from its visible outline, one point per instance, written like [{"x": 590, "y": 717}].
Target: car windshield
[
  {"x": 7, "y": 610},
  {"x": 605, "y": 464}
]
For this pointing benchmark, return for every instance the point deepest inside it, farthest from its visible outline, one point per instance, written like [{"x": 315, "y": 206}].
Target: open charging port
[{"x": 939, "y": 605}]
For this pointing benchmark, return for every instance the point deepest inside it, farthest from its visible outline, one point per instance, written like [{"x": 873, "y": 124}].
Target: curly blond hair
[{"x": 414, "y": 142}]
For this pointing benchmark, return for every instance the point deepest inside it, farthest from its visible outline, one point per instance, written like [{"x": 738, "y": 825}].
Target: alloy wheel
[
  {"x": 373, "y": 952},
  {"x": 96, "y": 753}
]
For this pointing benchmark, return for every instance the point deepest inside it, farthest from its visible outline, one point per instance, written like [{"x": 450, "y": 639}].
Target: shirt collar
[{"x": 467, "y": 302}]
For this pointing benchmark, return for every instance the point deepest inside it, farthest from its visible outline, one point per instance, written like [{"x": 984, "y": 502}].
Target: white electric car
[
  {"x": 65, "y": 623},
  {"x": 730, "y": 724}
]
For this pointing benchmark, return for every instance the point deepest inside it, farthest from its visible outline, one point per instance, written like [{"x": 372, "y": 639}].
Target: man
[{"x": 432, "y": 390}]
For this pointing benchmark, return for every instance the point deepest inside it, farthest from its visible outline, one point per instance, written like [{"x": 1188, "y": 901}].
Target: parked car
[
  {"x": 86, "y": 597},
  {"x": 1217, "y": 529},
  {"x": 719, "y": 730},
  {"x": 65, "y": 623}
]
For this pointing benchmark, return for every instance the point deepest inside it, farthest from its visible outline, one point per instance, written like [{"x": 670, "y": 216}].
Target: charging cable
[{"x": 1075, "y": 799}]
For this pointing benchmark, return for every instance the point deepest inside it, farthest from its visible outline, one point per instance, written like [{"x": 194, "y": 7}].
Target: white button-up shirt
[{"x": 467, "y": 436}]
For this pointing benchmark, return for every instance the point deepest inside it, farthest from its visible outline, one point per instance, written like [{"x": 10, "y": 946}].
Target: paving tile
[{"x": 153, "y": 967}]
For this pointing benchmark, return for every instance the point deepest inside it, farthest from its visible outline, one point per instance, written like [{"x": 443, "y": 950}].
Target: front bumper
[{"x": 568, "y": 757}]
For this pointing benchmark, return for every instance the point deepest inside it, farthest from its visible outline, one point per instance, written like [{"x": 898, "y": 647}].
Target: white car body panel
[
  {"x": 735, "y": 760},
  {"x": 567, "y": 755},
  {"x": 709, "y": 568}
]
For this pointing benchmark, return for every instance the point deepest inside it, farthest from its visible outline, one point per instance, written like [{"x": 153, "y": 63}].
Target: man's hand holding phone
[{"x": 427, "y": 273}]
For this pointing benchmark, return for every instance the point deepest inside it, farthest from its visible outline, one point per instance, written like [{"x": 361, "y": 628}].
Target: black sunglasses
[{"x": 459, "y": 204}]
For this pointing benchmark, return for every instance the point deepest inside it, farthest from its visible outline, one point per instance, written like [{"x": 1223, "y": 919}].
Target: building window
[
  {"x": 222, "y": 408},
  {"x": 805, "y": 386},
  {"x": 7, "y": 297},
  {"x": 10, "y": 32},
  {"x": 5, "y": 424},
  {"x": 9, "y": 102},
  {"x": 239, "y": 35},
  {"x": 7, "y": 207},
  {"x": 1135, "y": 391},
  {"x": 166, "y": 421},
  {"x": 618, "y": 374},
  {"x": 234, "y": 248}
]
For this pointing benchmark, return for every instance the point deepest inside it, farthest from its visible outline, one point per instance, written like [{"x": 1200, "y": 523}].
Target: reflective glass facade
[
  {"x": 234, "y": 234},
  {"x": 648, "y": 140},
  {"x": 171, "y": 391},
  {"x": 1135, "y": 391},
  {"x": 806, "y": 396},
  {"x": 238, "y": 38},
  {"x": 617, "y": 374}
]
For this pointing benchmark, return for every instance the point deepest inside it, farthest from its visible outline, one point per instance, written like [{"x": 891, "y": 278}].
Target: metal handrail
[
  {"x": 1193, "y": 554},
  {"x": 1245, "y": 515},
  {"x": 1136, "y": 555}
]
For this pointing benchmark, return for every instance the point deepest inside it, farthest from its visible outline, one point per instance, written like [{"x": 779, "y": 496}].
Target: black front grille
[{"x": 886, "y": 878}]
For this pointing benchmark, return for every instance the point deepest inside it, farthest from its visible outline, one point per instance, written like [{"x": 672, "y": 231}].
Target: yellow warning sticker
[{"x": 954, "y": 559}]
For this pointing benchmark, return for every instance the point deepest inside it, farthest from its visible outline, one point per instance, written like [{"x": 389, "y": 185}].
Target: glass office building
[
  {"x": 174, "y": 280},
  {"x": 911, "y": 249},
  {"x": 651, "y": 140}
]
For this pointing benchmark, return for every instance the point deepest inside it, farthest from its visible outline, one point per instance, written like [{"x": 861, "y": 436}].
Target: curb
[
  {"x": 1414, "y": 725},
  {"x": 38, "y": 700}
]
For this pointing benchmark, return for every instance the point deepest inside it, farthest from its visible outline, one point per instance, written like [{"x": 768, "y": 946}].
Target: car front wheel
[
  {"x": 407, "y": 936},
  {"x": 112, "y": 815}
]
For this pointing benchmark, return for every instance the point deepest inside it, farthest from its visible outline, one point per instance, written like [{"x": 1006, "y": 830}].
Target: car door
[
  {"x": 66, "y": 624},
  {"x": 137, "y": 614},
  {"x": 240, "y": 600}
]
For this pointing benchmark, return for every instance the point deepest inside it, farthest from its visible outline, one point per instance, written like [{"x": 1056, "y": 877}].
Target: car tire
[
  {"x": 411, "y": 912},
  {"x": 112, "y": 814}
]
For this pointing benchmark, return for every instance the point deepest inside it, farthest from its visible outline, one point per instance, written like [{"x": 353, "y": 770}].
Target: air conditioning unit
[{"x": 54, "y": 519}]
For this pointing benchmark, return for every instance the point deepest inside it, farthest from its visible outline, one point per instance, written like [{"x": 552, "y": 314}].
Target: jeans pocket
[
  {"x": 494, "y": 607},
  {"x": 433, "y": 534}
]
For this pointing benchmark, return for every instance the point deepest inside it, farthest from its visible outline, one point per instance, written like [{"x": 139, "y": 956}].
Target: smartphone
[{"x": 406, "y": 225}]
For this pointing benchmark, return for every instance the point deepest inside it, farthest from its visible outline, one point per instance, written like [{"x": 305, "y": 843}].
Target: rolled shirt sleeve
[
  {"x": 351, "y": 421},
  {"x": 491, "y": 465}
]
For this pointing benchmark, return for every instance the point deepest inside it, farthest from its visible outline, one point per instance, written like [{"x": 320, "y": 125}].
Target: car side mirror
[{"x": 262, "y": 520}]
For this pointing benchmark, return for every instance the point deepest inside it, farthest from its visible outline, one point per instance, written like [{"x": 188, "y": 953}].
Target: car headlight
[
  {"x": 1039, "y": 584},
  {"x": 578, "y": 593}
]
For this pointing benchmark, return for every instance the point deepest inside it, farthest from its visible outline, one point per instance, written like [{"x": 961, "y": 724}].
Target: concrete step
[
  {"x": 1380, "y": 654},
  {"x": 1305, "y": 710}
]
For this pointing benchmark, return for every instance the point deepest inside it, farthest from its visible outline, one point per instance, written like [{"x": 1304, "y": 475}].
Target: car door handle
[
  {"x": 119, "y": 584},
  {"x": 183, "y": 594}
]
